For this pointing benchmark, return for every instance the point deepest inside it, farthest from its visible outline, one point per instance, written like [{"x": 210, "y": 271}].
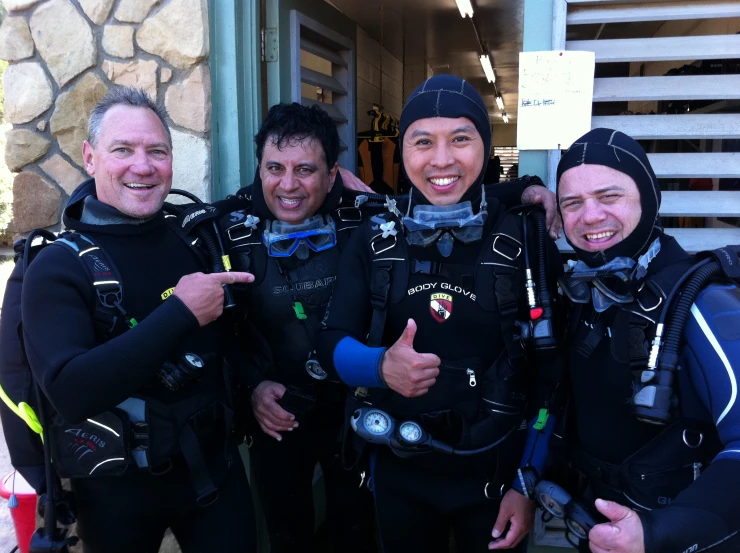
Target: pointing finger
[{"x": 232, "y": 277}]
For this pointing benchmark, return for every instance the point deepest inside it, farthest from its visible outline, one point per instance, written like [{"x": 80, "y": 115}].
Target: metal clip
[
  {"x": 250, "y": 224},
  {"x": 378, "y": 252},
  {"x": 502, "y": 254}
]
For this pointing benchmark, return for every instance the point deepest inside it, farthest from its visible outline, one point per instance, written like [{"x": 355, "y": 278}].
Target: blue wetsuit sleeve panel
[
  {"x": 706, "y": 512},
  {"x": 358, "y": 364},
  {"x": 59, "y": 339},
  {"x": 341, "y": 348}
]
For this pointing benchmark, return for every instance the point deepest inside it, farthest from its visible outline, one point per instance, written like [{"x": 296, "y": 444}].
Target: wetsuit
[
  {"x": 608, "y": 435},
  {"x": 680, "y": 476},
  {"x": 456, "y": 302},
  {"x": 284, "y": 471},
  {"x": 82, "y": 377}
]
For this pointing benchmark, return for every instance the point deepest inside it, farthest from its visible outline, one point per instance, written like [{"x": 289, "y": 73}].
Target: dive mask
[
  {"x": 615, "y": 282},
  {"x": 317, "y": 233},
  {"x": 432, "y": 223}
]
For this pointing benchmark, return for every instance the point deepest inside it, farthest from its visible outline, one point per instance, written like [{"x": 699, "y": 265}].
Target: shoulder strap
[
  {"x": 106, "y": 281},
  {"x": 504, "y": 248},
  {"x": 386, "y": 248}
]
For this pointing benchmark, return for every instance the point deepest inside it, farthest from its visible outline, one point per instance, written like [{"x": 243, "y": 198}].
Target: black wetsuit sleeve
[
  {"x": 706, "y": 512},
  {"x": 509, "y": 193},
  {"x": 80, "y": 377},
  {"x": 341, "y": 348}
]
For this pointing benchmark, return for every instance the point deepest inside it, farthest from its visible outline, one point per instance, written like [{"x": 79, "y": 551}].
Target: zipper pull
[
  {"x": 697, "y": 472},
  {"x": 471, "y": 374}
]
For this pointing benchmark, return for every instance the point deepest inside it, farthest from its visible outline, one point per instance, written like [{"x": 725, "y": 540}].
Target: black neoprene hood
[
  {"x": 618, "y": 151},
  {"x": 449, "y": 96}
]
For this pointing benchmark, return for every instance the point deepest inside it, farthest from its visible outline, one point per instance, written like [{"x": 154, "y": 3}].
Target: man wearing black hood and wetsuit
[
  {"x": 288, "y": 228},
  {"x": 444, "y": 276},
  {"x": 178, "y": 466},
  {"x": 654, "y": 431}
]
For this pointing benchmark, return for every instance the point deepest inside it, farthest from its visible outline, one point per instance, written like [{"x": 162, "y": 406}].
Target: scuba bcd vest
[
  {"x": 646, "y": 336},
  {"x": 21, "y": 422},
  {"x": 291, "y": 293},
  {"x": 113, "y": 441},
  {"x": 474, "y": 404}
]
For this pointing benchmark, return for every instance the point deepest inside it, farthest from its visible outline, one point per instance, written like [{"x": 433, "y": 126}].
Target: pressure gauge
[
  {"x": 410, "y": 432},
  {"x": 377, "y": 422},
  {"x": 194, "y": 361}
]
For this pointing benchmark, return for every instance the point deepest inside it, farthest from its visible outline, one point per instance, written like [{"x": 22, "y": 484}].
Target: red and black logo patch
[{"x": 441, "y": 307}]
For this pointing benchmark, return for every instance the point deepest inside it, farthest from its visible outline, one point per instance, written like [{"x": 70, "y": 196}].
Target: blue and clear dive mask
[
  {"x": 317, "y": 233},
  {"x": 444, "y": 224}
]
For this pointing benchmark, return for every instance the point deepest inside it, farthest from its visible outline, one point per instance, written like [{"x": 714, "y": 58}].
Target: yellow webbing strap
[{"x": 24, "y": 411}]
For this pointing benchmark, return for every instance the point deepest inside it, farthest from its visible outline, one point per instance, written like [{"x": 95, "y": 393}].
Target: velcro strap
[
  {"x": 380, "y": 284},
  {"x": 206, "y": 492},
  {"x": 594, "y": 337}
]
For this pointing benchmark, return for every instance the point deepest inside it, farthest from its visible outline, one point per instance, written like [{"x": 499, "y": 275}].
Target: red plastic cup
[{"x": 24, "y": 515}]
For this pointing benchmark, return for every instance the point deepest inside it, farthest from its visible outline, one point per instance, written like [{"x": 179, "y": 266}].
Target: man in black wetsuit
[
  {"x": 424, "y": 323},
  {"x": 288, "y": 228},
  {"x": 660, "y": 458},
  {"x": 185, "y": 473}
]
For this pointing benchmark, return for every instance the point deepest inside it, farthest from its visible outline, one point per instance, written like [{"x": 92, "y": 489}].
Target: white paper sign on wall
[{"x": 556, "y": 90}]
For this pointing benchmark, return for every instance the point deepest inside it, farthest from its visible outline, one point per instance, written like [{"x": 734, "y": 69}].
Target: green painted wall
[
  {"x": 236, "y": 92},
  {"x": 277, "y": 16}
]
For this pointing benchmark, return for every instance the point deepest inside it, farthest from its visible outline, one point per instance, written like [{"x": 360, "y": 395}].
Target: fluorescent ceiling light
[
  {"x": 506, "y": 117},
  {"x": 485, "y": 61},
  {"x": 465, "y": 7},
  {"x": 500, "y": 102}
]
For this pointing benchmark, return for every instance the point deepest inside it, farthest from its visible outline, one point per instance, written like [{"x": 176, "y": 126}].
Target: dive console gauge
[
  {"x": 372, "y": 425},
  {"x": 410, "y": 432}
]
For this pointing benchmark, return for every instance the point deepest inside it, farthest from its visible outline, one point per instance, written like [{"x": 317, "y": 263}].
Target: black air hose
[
  {"x": 212, "y": 242},
  {"x": 669, "y": 357}
]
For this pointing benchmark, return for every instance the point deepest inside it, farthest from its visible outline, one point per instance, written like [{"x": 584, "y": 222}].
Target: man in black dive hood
[
  {"x": 442, "y": 275},
  {"x": 138, "y": 394},
  {"x": 661, "y": 465},
  {"x": 288, "y": 229}
]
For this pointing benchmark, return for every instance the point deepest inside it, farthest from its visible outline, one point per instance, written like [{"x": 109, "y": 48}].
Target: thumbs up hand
[{"x": 407, "y": 372}]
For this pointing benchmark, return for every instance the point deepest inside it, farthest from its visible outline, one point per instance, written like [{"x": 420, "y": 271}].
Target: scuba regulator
[
  {"x": 655, "y": 399},
  {"x": 538, "y": 330}
]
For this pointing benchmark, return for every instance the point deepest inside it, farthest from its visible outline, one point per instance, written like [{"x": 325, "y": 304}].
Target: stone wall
[{"x": 64, "y": 55}]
